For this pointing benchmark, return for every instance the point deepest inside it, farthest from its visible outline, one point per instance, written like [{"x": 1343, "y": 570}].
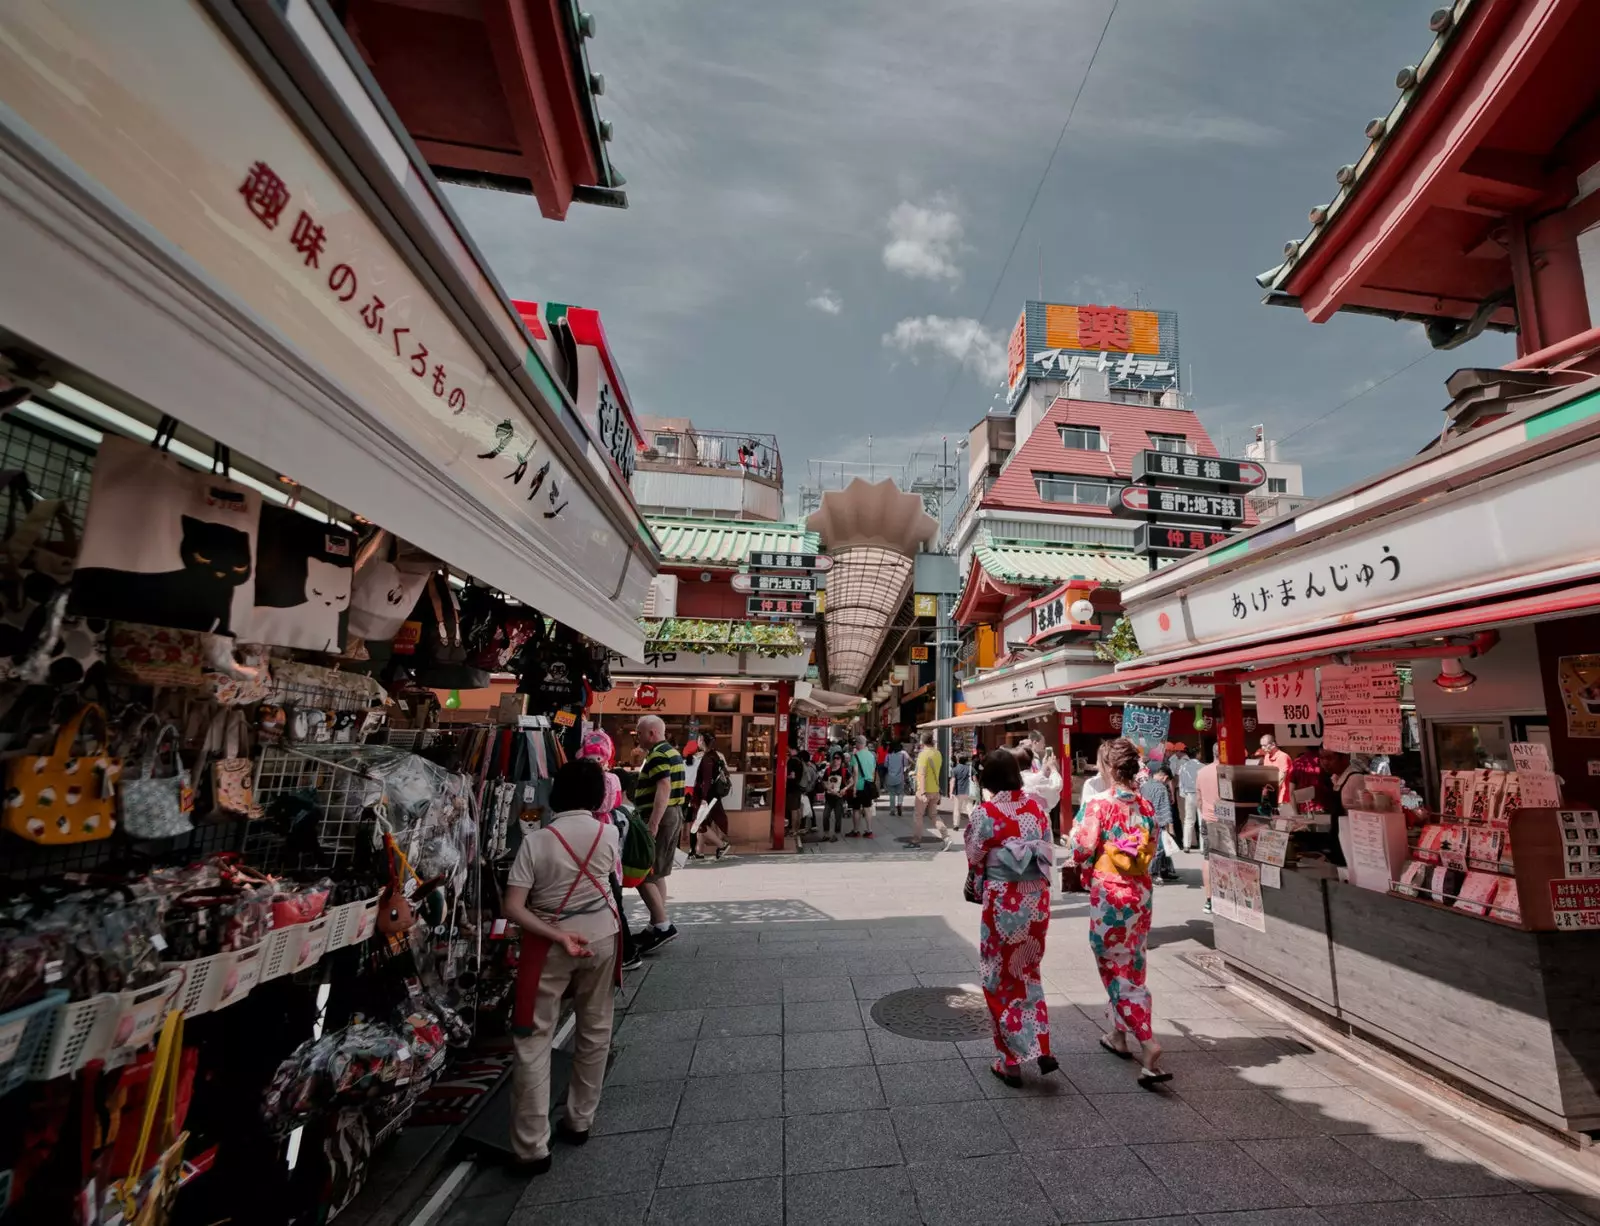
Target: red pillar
[
  {"x": 780, "y": 764},
  {"x": 1064, "y": 750},
  {"x": 1231, "y": 750}
]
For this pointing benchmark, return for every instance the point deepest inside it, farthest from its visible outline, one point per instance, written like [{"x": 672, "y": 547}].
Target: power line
[
  {"x": 1394, "y": 374},
  {"x": 1026, "y": 217}
]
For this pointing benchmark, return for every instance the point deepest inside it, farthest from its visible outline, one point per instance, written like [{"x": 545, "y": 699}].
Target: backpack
[
  {"x": 721, "y": 784},
  {"x": 638, "y": 849},
  {"x": 808, "y": 777}
]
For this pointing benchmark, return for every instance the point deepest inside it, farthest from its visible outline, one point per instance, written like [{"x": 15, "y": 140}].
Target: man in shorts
[{"x": 658, "y": 796}]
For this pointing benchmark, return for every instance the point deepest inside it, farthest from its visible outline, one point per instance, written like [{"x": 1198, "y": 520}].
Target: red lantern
[{"x": 646, "y": 695}]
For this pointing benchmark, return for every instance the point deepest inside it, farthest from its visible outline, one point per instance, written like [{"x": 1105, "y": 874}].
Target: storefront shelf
[{"x": 23, "y": 1031}]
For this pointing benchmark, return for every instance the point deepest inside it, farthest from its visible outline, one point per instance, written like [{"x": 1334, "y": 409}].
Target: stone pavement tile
[
  {"x": 749, "y": 1202},
  {"x": 1202, "y": 1070},
  {"x": 880, "y": 1196},
  {"x": 1152, "y": 1116},
  {"x": 1247, "y": 1112},
  {"x": 936, "y": 961},
  {"x": 1263, "y": 1217},
  {"x": 626, "y": 1163},
  {"x": 1180, "y": 1006},
  {"x": 749, "y": 1096},
  {"x": 997, "y": 1188},
  {"x": 742, "y": 1020},
  {"x": 839, "y": 1142},
  {"x": 639, "y": 1107},
  {"x": 718, "y": 1153},
  {"x": 1518, "y": 1207},
  {"x": 803, "y": 990},
  {"x": 756, "y": 1053},
  {"x": 1426, "y": 1166},
  {"x": 1276, "y": 1072},
  {"x": 814, "y": 1091},
  {"x": 1384, "y": 1213},
  {"x": 1219, "y": 1034},
  {"x": 826, "y": 1049},
  {"x": 751, "y": 991},
  {"x": 1033, "y": 1085},
  {"x": 676, "y": 1027},
  {"x": 949, "y": 979},
  {"x": 1066, "y": 1121},
  {"x": 1101, "y": 1185},
  {"x": 629, "y": 1209},
  {"x": 945, "y": 1131},
  {"x": 1102, "y": 1073},
  {"x": 664, "y": 998},
  {"x": 818, "y": 1015},
  {"x": 879, "y": 962},
  {"x": 1212, "y": 1176},
  {"x": 928, "y": 1081},
  {"x": 888, "y": 1048},
  {"x": 1335, "y": 1109},
  {"x": 870, "y": 987},
  {"x": 1320, "y": 1171},
  {"x": 651, "y": 1062},
  {"x": 815, "y": 966}
]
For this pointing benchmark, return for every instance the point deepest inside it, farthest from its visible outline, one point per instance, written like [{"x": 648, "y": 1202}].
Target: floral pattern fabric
[
  {"x": 1117, "y": 835},
  {"x": 1015, "y": 832}
]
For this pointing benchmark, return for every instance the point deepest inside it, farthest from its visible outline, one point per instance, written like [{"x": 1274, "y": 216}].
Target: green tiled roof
[
  {"x": 1043, "y": 564},
  {"x": 726, "y": 542}
]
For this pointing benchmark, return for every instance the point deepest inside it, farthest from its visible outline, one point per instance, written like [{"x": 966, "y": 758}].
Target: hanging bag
[
  {"x": 232, "y": 773},
  {"x": 145, "y": 1199},
  {"x": 385, "y": 589},
  {"x": 63, "y": 797},
  {"x": 155, "y": 808}
]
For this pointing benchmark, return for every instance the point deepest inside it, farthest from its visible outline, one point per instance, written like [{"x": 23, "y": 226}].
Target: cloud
[
  {"x": 966, "y": 340},
  {"x": 828, "y": 302},
  {"x": 1188, "y": 130},
  {"x": 924, "y": 240}
]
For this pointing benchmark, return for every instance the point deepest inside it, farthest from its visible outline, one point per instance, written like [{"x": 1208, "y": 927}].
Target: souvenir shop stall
[{"x": 1453, "y": 915}]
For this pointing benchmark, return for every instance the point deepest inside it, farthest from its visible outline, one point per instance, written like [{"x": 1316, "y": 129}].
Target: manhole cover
[{"x": 939, "y": 1015}]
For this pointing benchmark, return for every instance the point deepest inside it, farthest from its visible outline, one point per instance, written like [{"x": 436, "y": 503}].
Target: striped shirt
[{"x": 661, "y": 762}]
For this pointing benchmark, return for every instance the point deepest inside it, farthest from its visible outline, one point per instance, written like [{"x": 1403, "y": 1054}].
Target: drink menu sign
[
  {"x": 1576, "y": 903},
  {"x": 1360, "y": 708}
]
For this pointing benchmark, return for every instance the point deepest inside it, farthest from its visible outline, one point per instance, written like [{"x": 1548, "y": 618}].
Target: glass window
[
  {"x": 1054, "y": 487},
  {"x": 1178, "y": 443},
  {"x": 1277, "y": 485},
  {"x": 667, "y": 444},
  {"x": 1082, "y": 438}
]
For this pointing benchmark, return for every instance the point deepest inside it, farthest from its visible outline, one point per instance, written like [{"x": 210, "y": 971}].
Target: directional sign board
[
  {"x": 766, "y": 584},
  {"x": 1175, "y": 540},
  {"x": 1183, "y": 504},
  {"x": 1205, "y": 472},
  {"x": 780, "y": 606},
  {"x": 765, "y": 560}
]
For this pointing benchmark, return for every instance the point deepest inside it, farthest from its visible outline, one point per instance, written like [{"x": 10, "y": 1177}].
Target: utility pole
[{"x": 944, "y": 675}]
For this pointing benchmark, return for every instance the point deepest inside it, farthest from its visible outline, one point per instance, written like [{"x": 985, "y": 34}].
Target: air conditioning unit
[{"x": 662, "y": 598}]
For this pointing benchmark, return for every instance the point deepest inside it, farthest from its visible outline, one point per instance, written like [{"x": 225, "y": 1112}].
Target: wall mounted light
[{"x": 1453, "y": 678}]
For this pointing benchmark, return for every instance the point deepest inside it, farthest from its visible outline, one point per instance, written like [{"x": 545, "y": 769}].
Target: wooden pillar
[
  {"x": 780, "y": 765},
  {"x": 1231, "y": 750}
]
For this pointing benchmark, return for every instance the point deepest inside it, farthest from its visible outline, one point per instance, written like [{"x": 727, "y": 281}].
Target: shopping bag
[
  {"x": 62, "y": 797},
  {"x": 165, "y": 545},
  {"x": 145, "y": 1197},
  {"x": 232, "y": 773},
  {"x": 156, "y": 655},
  {"x": 700, "y": 818},
  {"x": 155, "y": 808},
  {"x": 1169, "y": 844},
  {"x": 304, "y": 571},
  {"x": 385, "y": 589}
]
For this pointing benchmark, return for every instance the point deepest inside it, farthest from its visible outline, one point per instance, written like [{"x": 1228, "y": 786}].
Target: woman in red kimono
[
  {"x": 1010, "y": 853},
  {"x": 1115, "y": 841}
]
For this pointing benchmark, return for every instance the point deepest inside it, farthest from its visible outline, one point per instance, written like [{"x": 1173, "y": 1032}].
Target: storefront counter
[{"x": 1513, "y": 1014}]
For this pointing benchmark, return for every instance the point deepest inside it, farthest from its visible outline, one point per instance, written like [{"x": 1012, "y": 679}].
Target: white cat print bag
[
  {"x": 304, "y": 569},
  {"x": 387, "y": 587},
  {"x": 164, "y": 545}
]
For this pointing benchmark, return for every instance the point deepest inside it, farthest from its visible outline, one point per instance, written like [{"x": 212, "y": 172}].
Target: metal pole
[{"x": 944, "y": 676}]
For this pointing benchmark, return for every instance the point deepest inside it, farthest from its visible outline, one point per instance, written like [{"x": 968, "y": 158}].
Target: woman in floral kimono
[
  {"x": 1115, "y": 841},
  {"x": 1009, "y": 852}
]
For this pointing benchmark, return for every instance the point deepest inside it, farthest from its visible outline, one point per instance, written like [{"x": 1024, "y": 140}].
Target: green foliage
[
  {"x": 704, "y": 635},
  {"x": 1120, "y": 645}
]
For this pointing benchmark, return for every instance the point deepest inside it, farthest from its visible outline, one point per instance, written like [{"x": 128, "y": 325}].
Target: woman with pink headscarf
[{"x": 597, "y": 744}]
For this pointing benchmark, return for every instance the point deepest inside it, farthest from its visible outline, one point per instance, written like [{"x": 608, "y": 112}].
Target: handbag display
[
  {"x": 156, "y": 655},
  {"x": 232, "y": 772},
  {"x": 62, "y": 797},
  {"x": 39, "y": 643},
  {"x": 155, "y": 808},
  {"x": 304, "y": 573},
  {"x": 145, "y": 1198},
  {"x": 385, "y": 589}
]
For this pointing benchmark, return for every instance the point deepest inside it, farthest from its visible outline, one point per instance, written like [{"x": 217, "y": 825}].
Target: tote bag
[
  {"x": 164, "y": 545},
  {"x": 303, "y": 582},
  {"x": 385, "y": 589}
]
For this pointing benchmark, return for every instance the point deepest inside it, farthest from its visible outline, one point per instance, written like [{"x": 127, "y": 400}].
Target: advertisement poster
[
  {"x": 1579, "y": 678},
  {"x": 1287, "y": 699},
  {"x": 1576, "y": 903},
  {"x": 1236, "y": 892},
  {"x": 1147, "y": 727}
]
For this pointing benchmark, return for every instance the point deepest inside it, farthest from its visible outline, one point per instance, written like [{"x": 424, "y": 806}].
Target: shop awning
[
  {"x": 828, "y": 702},
  {"x": 1564, "y": 603},
  {"x": 994, "y": 715},
  {"x": 717, "y": 542},
  {"x": 1040, "y": 564}
]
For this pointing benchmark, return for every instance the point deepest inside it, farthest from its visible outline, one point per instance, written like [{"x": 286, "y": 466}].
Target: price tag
[{"x": 1271, "y": 877}]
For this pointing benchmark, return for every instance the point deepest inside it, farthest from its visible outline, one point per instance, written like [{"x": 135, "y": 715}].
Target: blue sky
[{"x": 823, "y": 195}]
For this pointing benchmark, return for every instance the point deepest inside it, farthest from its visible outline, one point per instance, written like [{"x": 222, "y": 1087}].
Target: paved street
[{"x": 752, "y": 1086}]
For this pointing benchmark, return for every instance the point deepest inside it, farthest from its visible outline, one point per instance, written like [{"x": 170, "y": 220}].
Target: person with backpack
[
  {"x": 711, "y": 784},
  {"x": 805, "y": 782},
  {"x": 864, "y": 789},
  {"x": 895, "y": 766}
]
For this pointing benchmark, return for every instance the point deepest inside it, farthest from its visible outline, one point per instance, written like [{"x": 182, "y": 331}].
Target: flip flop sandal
[
  {"x": 1118, "y": 1052},
  {"x": 1014, "y": 1080},
  {"x": 1149, "y": 1079}
]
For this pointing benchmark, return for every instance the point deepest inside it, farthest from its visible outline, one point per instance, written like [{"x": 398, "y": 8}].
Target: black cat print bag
[{"x": 164, "y": 545}]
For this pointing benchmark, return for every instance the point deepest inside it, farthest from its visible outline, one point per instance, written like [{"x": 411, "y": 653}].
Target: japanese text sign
[
  {"x": 1205, "y": 471},
  {"x": 766, "y": 560},
  {"x": 769, "y": 606},
  {"x": 1183, "y": 504},
  {"x": 1175, "y": 540},
  {"x": 1288, "y": 698},
  {"x": 1146, "y": 727},
  {"x": 1576, "y": 903},
  {"x": 1135, "y": 348}
]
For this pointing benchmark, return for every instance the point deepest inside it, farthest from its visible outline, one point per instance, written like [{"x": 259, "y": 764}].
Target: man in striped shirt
[{"x": 658, "y": 796}]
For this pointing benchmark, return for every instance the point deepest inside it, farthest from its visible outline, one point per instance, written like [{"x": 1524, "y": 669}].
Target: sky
[{"x": 822, "y": 198}]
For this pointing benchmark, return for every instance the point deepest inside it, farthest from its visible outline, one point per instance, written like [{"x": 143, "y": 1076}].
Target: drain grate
[{"x": 939, "y": 1015}]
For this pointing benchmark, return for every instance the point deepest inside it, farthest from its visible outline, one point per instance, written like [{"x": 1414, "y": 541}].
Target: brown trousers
[{"x": 593, "y": 1002}]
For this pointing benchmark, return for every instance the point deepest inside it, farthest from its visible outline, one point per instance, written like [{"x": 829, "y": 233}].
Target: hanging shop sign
[
  {"x": 765, "y": 584},
  {"x": 597, "y": 390},
  {"x": 1201, "y": 472},
  {"x": 924, "y": 604},
  {"x": 1442, "y": 548},
  {"x": 766, "y": 560},
  {"x": 645, "y": 695},
  {"x": 1288, "y": 698},
  {"x": 1146, "y": 727},
  {"x": 1183, "y": 504},
  {"x": 919, "y": 655},
  {"x": 1175, "y": 540},
  {"x": 778, "y": 606},
  {"x": 1137, "y": 349},
  {"x": 365, "y": 381}
]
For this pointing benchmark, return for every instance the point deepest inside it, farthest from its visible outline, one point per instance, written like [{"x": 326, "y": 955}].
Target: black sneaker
[
  {"x": 633, "y": 963},
  {"x": 652, "y": 938}
]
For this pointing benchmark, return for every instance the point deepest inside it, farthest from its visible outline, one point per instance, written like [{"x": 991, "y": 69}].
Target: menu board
[
  {"x": 1272, "y": 847},
  {"x": 1576, "y": 903},
  {"x": 1360, "y": 708},
  {"x": 1374, "y": 847},
  {"x": 1580, "y": 842}
]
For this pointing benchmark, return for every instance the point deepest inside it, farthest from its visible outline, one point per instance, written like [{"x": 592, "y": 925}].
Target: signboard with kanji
[
  {"x": 1289, "y": 698},
  {"x": 924, "y": 604},
  {"x": 778, "y": 606},
  {"x": 1208, "y": 472},
  {"x": 1183, "y": 504},
  {"x": 765, "y": 584},
  {"x": 1135, "y": 349},
  {"x": 767, "y": 560},
  {"x": 1175, "y": 540},
  {"x": 919, "y": 655},
  {"x": 1576, "y": 902}
]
